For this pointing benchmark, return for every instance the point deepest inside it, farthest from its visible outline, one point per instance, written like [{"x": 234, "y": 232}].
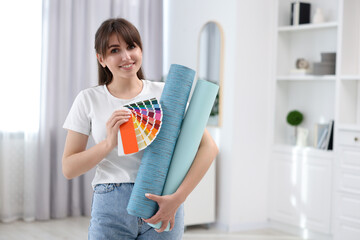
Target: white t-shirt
[{"x": 89, "y": 113}]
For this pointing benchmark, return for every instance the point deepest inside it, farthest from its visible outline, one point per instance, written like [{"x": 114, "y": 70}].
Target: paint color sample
[
  {"x": 142, "y": 128},
  {"x": 127, "y": 138}
]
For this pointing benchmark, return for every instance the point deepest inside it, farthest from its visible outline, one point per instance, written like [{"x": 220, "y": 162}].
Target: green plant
[
  {"x": 215, "y": 108},
  {"x": 294, "y": 118}
]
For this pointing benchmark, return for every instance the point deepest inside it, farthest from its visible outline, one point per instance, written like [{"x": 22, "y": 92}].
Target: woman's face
[{"x": 123, "y": 60}]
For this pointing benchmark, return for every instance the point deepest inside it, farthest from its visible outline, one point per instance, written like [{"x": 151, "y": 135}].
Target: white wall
[
  {"x": 253, "y": 87},
  {"x": 242, "y": 164}
]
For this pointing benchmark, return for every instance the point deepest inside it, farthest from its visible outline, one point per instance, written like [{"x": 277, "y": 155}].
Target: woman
[{"x": 97, "y": 111}]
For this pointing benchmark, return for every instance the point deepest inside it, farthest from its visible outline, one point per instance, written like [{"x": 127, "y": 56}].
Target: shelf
[
  {"x": 350, "y": 77},
  {"x": 305, "y": 27},
  {"x": 349, "y": 127},
  {"x": 289, "y": 149},
  {"x": 306, "y": 78}
]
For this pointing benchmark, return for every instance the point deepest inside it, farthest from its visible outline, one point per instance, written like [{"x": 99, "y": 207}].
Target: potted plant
[{"x": 294, "y": 118}]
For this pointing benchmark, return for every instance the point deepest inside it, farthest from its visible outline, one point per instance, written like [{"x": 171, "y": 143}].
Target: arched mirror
[{"x": 210, "y": 46}]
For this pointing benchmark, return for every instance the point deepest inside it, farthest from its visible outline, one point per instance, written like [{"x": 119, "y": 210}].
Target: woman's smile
[{"x": 127, "y": 66}]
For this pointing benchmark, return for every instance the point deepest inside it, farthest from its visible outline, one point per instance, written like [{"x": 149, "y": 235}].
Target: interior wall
[
  {"x": 242, "y": 162},
  {"x": 255, "y": 36}
]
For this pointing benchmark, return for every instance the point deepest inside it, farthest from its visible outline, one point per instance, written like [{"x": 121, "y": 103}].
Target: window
[{"x": 20, "y": 71}]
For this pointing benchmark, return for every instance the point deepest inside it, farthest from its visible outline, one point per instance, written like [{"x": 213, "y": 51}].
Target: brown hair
[{"x": 122, "y": 28}]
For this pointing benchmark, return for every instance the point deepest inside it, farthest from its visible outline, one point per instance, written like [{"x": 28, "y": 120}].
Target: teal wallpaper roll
[
  {"x": 157, "y": 156},
  {"x": 191, "y": 132}
]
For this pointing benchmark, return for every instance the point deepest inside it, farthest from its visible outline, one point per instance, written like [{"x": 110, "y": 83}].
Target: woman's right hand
[{"x": 112, "y": 125}]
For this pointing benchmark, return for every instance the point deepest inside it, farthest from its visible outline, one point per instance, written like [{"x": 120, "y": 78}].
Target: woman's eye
[
  {"x": 131, "y": 46},
  {"x": 114, "y": 50}
]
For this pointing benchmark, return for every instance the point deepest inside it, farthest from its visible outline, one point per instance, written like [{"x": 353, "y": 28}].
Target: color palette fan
[{"x": 142, "y": 128}]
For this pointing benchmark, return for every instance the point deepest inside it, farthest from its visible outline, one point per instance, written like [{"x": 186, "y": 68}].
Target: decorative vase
[
  {"x": 318, "y": 16},
  {"x": 302, "y": 136}
]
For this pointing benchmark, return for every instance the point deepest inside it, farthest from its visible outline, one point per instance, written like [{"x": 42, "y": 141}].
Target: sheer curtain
[
  {"x": 18, "y": 152},
  {"x": 19, "y": 106},
  {"x": 68, "y": 66}
]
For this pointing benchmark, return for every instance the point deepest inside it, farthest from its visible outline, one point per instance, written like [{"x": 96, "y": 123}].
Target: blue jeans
[{"x": 110, "y": 220}]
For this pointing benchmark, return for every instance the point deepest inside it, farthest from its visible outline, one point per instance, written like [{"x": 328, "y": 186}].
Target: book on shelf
[
  {"x": 323, "y": 135},
  {"x": 320, "y": 131},
  {"x": 300, "y": 13},
  {"x": 331, "y": 137}
]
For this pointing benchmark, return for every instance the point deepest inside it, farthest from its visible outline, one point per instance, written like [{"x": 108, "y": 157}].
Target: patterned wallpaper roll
[
  {"x": 189, "y": 139},
  {"x": 157, "y": 156}
]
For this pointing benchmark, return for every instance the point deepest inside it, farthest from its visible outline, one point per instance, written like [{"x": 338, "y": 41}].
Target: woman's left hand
[{"x": 168, "y": 206}]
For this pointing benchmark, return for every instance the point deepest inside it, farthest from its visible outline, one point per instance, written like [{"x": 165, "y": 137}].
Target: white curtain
[
  {"x": 68, "y": 66},
  {"x": 19, "y": 107},
  {"x": 18, "y": 153}
]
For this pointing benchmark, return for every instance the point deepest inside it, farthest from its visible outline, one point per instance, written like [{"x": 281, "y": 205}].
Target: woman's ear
[{"x": 101, "y": 60}]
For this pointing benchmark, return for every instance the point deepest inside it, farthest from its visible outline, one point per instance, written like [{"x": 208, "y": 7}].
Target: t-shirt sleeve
[{"x": 78, "y": 119}]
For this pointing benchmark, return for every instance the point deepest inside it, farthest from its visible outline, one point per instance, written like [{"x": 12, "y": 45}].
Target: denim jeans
[{"x": 110, "y": 220}]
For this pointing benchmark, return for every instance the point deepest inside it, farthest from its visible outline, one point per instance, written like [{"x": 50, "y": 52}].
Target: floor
[{"x": 76, "y": 228}]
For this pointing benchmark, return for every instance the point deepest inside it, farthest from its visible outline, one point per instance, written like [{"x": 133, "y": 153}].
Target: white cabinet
[
  {"x": 285, "y": 188},
  {"x": 347, "y": 187},
  {"x": 301, "y": 188},
  {"x": 199, "y": 206},
  {"x": 347, "y": 165}
]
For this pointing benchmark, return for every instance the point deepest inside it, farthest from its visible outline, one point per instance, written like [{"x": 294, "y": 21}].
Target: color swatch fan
[{"x": 142, "y": 127}]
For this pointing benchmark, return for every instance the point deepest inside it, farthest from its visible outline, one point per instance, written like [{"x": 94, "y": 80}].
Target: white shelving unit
[
  {"x": 346, "y": 206},
  {"x": 312, "y": 190},
  {"x": 314, "y": 96},
  {"x": 306, "y": 41}
]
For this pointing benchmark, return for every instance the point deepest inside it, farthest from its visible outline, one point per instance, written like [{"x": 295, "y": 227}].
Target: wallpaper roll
[
  {"x": 157, "y": 156},
  {"x": 190, "y": 136}
]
